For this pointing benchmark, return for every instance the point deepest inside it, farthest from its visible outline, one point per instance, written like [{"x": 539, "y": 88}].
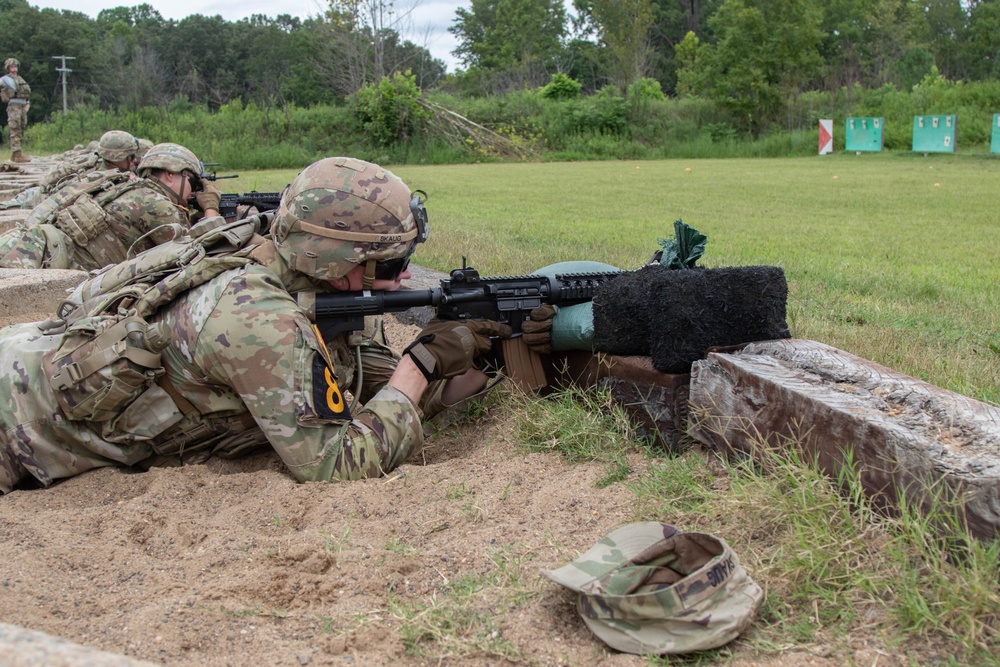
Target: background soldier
[
  {"x": 115, "y": 150},
  {"x": 94, "y": 221},
  {"x": 231, "y": 359},
  {"x": 15, "y": 93}
]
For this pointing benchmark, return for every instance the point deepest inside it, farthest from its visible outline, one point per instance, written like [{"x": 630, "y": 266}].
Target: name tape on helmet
[{"x": 363, "y": 237}]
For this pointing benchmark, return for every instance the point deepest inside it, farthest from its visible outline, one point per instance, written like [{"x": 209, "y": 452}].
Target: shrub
[
  {"x": 561, "y": 87},
  {"x": 390, "y": 112}
]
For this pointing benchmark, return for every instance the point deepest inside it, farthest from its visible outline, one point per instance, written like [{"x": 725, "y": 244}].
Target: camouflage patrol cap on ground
[
  {"x": 11, "y": 61},
  {"x": 648, "y": 588},
  {"x": 117, "y": 146},
  {"x": 169, "y": 157},
  {"x": 340, "y": 212}
]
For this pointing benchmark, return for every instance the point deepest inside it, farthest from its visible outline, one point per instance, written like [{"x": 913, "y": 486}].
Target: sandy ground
[{"x": 234, "y": 563}]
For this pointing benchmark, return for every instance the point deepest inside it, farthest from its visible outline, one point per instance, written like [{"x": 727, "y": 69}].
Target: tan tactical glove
[
  {"x": 208, "y": 197},
  {"x": 448, "y": 348},
  {"x": 537, "y": 329}
]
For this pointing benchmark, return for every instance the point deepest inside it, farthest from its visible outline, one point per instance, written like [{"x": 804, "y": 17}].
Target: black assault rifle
[
  {"x": 264, "y": 201},
  {"x": 463, "y": 296},
  {"x": 212, "y": 175}
]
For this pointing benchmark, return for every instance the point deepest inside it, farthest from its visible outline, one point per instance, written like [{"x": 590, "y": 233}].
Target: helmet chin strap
[{"x": 369, "y": 278}]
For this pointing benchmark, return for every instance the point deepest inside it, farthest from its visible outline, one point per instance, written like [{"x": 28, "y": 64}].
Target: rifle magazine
[{"x": 524, "y": 367}]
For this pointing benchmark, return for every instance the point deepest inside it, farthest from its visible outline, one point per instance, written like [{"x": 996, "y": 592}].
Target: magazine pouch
[{"x": 103, "y": 363}]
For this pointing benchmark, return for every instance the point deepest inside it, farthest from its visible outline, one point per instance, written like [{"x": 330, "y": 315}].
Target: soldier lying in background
[
  {"x": 115, "y": 150},
  {"x": 98, "y": 219}
]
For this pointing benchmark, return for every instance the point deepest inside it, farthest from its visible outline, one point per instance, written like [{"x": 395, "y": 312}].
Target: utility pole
[{"x": 63, "y": 71}]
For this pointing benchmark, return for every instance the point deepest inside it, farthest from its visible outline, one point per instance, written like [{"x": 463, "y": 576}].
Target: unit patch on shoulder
[{"x": 328, "y": 400}]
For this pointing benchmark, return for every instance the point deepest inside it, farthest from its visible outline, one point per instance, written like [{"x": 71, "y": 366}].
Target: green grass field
[{"x": 893, "y": 257}]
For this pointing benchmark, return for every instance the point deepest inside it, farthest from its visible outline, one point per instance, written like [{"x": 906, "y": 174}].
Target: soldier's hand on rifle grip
[
  {"x": 537, "y": 329},
  {"x": 208, "y": 197},
  {"x": 448, "y": 348}
]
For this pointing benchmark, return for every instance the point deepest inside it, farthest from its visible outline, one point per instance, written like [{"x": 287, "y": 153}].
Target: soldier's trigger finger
[
  {"x": 532, "y": 327},
  {"x": 543, "y": 313},
  {"x": 489, "y": 328}
]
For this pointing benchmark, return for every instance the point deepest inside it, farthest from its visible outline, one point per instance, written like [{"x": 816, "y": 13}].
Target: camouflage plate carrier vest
[
  {"x": 70, "y": 168},
  {"x": 107, "y": 369},
  {"x": 77, "y": 210},
  {"x": 14, "y": 87}
]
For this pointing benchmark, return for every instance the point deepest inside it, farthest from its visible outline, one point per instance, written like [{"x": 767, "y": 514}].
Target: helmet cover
[
  {"x": 342, "y": 212},
  {"x": 117, "y": 146},
  {"x": 169, "y": 157}
]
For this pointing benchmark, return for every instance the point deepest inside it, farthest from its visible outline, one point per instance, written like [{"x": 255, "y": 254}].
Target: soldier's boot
[{"x": 18, "y": 156}]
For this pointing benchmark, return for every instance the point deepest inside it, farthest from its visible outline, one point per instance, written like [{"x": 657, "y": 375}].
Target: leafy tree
[
  {"x": 766, "y": 51},
  {"x": 623, "y": 27},
  {"x": 524, "y": 37},
  {"x": 588, "y": 63},
  {"x": 672, "y": 21},
  {"x": 984, "y": 40},
  {"x": 692, "y": 66},
  {"x": 947, "y": 25},
  {"x": 893, "y": 27}
]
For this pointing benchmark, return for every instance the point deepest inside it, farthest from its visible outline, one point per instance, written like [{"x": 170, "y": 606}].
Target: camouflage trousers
[
  {"x": 27, "y": 198},
  {"x": 17, "y": 119},
  {"x": 38, "y": 247},
  {"x": 11, "y": 470}
]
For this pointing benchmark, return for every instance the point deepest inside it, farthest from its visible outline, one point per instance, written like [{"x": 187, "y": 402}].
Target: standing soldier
[{"x": 15, "y": 93}]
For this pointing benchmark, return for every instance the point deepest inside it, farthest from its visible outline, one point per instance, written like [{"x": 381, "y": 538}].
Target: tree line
[
  {"x": 748, "y": 57},
  {"x": 131, "y": 57}
]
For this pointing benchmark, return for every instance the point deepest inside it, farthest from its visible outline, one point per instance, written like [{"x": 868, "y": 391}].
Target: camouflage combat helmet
[
  {"x": 340, "y": 212},
  {"x": 11, "y": 61},
  {"x": 649, "y": 588},
  {"x": 144, "y": 146},
  {"x": 117, "y": 146},
  {"x": 169, "y": 157}
]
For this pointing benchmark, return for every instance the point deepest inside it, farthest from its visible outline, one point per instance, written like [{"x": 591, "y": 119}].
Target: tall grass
[{"x": 833, "y": 568}]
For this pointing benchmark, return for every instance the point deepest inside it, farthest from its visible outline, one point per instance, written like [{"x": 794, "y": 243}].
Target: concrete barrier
[
  {"x": 20, "y": 647},
  {"x": 27, "y": 295}
]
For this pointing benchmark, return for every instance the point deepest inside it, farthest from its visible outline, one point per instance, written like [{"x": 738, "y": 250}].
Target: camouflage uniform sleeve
[{"x": 259, "y": 343}]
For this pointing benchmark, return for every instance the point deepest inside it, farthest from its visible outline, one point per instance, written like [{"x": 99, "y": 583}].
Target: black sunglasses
[
  {"x": 391, "y": 269},
  {"x": 194, "y": 182}
]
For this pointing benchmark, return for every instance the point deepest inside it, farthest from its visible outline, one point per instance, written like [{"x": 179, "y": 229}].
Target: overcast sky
[{"x": 428, "y": 23}]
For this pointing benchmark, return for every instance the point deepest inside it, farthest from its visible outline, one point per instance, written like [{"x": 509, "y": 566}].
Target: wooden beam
[{"x": 905, "y": 436}]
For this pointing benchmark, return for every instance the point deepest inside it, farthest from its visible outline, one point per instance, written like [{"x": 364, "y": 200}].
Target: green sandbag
[{"x": 573, "y": 326}]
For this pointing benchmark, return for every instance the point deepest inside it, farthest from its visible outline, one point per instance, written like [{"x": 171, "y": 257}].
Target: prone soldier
[
  {"x": 213, "y": 356},
  {"x": 100, "y": 218},
  {"x": 116, "y": 149}
]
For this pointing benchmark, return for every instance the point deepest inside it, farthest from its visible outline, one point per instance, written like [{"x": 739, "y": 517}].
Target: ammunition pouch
[
  {"x": 104, "y": 363},
  {"x": 86, "y": 223}
]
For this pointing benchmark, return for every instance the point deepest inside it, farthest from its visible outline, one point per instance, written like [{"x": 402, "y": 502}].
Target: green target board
[
  {"x": 864, "y": 134},
  {"x": 934, "y": 134},
  {"x": 995, "y": 137}
]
